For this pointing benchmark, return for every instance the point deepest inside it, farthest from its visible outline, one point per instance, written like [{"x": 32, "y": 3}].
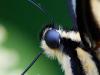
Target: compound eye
[{"x": 52, "y": 38}]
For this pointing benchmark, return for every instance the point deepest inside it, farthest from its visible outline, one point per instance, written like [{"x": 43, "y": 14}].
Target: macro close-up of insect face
[
  {"x": 56, "y": 39},
  {"x": 58, "y": 43},
  {"x": 78, "y": 49}
]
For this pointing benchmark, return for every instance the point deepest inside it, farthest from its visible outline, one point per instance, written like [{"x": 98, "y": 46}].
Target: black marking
[
  {"x": 86, "y": 22},
  {"x": 87, "y": 25},
  {"x": 69, "y": 49},
  {"x": 76, "y": 65}
]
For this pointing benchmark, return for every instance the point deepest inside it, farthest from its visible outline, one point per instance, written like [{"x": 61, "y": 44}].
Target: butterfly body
[
  {"x": 73, "y": 58},
  {"x": 77, "y": 50}
]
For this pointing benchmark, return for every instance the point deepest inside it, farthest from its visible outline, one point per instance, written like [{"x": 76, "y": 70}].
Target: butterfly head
[{"x": 55, "y": 38}]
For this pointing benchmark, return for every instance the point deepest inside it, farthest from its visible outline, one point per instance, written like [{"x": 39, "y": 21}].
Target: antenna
[
  {"x": 32, "y": 63},
  {"x": 41, "y": 9}
]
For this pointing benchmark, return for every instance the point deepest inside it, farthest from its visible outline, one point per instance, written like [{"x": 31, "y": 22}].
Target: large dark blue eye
[{"x": 52, "y": 38}]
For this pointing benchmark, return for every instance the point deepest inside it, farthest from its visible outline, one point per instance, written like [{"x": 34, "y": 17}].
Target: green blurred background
[{"x": 20, "y": 24}]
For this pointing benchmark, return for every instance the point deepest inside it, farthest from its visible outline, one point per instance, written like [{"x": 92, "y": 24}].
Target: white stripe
[
  {"x": 63, "y": 59},
  {"x": 74, "y": 36},
  {"x": 87, "y": 62},
  {"x": 95, "y": 5}
]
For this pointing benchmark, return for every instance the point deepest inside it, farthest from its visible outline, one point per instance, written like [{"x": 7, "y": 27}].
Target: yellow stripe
[{"x": 88, "y": 64}]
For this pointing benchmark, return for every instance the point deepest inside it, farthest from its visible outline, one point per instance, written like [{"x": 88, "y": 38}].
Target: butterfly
[{"x": 77, "y": 50}]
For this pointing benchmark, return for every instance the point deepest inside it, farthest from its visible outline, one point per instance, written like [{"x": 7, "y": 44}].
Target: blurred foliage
[{"x": 23, "y": 22}]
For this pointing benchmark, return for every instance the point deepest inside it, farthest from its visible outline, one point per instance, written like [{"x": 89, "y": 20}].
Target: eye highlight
[{"x": 52, "y": 38}]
